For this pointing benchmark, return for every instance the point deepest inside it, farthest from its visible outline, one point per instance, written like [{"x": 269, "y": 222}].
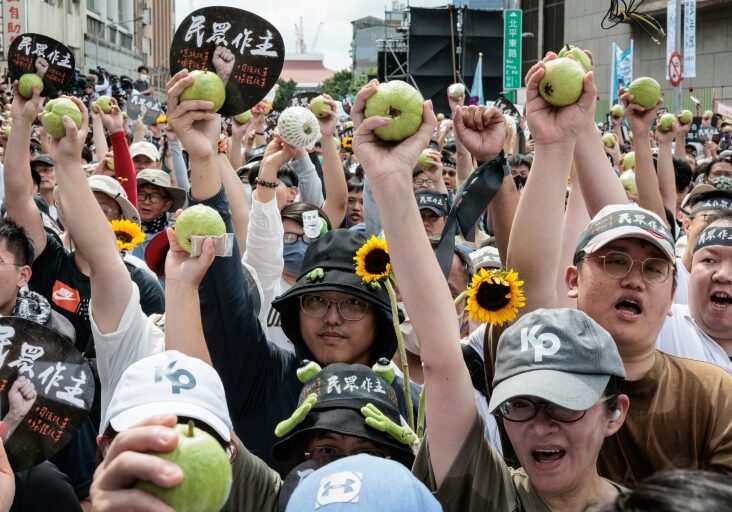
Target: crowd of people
[{"x": 332, "y": 356}]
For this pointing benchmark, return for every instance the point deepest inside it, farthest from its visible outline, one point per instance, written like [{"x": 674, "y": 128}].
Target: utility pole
[{"x": 677, "y": 47}]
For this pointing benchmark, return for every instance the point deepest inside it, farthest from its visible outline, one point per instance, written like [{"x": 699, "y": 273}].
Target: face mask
[
  {"x": 294, "y": 254},
  {"x": 411, "y": 343},
  {"x": 145, "y": 78},
  {"x": 520, "y": 181}
]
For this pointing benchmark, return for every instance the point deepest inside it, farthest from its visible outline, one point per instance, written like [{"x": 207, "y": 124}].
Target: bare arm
[
  {"x": 334, "y": 179},
  {"x": 422, "y": 286},
  {"x": 537, "y": 225},
  {"x": 682, "y": 131},
  {"x": 100, "y": 141},
  {"x": 238, "y": 202},
  {"x": 665, "y": 167},
  {"x": 503, "y": 210},
  {"x": 237, "y": 133},
  {"x": 183, "y": 274},
  {"x": 576, "y": 220},
  {"x": 19, "y": 202},
  {"x": 649, "y": 195},
  {"x": 463, "y": 159}
]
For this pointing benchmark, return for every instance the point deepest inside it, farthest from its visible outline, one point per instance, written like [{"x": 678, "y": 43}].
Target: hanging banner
[
  {"x": 689, "y": 38},
  {"x": 14, "y": 16},
  {"x": 621, "y": 71},
  {"x": 670, "y": 31}
]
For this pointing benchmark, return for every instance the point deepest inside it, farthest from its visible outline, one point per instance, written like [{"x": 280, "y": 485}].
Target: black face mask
[{"x": 520, "y": 181}]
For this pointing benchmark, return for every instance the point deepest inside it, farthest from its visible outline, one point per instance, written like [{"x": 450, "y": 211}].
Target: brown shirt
[{"x": 680, "y": 417}]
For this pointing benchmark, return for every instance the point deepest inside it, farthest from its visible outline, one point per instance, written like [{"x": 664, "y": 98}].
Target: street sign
[
  {"x": 675, "y": 72},
  {"x": 512, "y": 22}
]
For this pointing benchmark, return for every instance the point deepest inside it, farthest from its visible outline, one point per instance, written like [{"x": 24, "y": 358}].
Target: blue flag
[{"x": 476, "y": 92}]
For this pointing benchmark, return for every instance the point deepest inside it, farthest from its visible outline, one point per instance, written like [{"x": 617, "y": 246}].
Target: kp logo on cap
[
  {"x": 539, "y": 343},
  {"x": 179, "y": 379},
  {"x": 343, "y": 487}
]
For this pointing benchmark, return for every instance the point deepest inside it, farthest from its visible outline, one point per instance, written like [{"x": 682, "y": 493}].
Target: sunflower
[
  {"x": 347, "y": 143},
  {"x": 495, "y": 297},
  {"x": 128, "y": 234},
  {"x": 372, "y": 260}
]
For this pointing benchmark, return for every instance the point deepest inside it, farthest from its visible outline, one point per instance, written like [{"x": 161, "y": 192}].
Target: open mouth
[
  {"x": 721, "y": 299},
  {"x": 629, "y": 306},
  {"x": 546, "y": 456}
]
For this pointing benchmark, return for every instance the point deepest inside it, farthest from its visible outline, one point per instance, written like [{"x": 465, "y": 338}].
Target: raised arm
[
  {"x": 237, "y": 134},
  {"x": 422, "y": 286},
  {"x": 180, "y": 171},
  {"x": 19, "y": 202},
  {"x": 183, "y": 274},
  {"x": 463, "y": 157},
  {"x": 124, "y": 169},
  {"x": 640, "y": 120},
  {"x": 576, "y": 220},
  {"x": 682, "y": 131},
  {"x": 100, "y": 141},
  {"x": 336, "y": 190},
  {"x": 198, "y": 129},
  {"x": 90, "y": 229},
  {"x": 238, "y": 202},
  {"x": 665, "y": 167},
  {"x": 537, "y": 226}
]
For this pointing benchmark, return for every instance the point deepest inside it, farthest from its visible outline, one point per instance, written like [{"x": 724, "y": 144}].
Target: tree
[
  {"x": 342, "y": 84},
  {"x": 285, "y": 92}
]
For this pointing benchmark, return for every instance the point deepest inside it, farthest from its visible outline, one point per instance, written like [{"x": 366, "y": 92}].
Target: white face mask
[
  {"x": 144, "y": 77},
  {"x": 411, "y": 343}
]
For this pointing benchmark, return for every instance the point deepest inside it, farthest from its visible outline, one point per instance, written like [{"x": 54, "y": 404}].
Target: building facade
[
  {"x": 155, "y": 40},
  {"x": 713, "y": 81},
  {"x": 364, "y": 45},
  {"x": 109, "y": 38}
]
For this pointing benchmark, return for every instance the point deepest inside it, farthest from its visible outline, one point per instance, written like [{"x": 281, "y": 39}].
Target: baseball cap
[
  {"x": 485, "y": 257},
  {"x": 362, "y": 483},
  {"x": 169, "y": 383},
  {"x": 113, "y": 188},
  {"x": 432, "y": 200},
  {"x": 617, "y": 221},
  {"x": 42, "y": 159},
  {"x": 559, "y": 355},
  {"x": 145, "y": 148},
  {"x": 705, "y": 197}
]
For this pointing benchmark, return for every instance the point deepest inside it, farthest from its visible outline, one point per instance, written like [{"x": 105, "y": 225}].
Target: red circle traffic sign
[{"x": 675, "y": 70}]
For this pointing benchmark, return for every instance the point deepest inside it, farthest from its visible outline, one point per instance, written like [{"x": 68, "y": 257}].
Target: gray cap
[
  {"x": 432, "y": 200},
  {"x": 559, "y": 355}
]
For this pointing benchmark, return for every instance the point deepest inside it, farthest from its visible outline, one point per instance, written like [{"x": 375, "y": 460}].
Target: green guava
[
  {"x": 708, "y": 114},
  {"x": 617, "y": 111},
  {"x": 629, "y": 161},
  {"x": 402, "y": 103},
  {"x": 727, "y": 129},
  {"x": 26, "y": 83},
  {"x": 456, "y": 91},
  {"x": 440, "y": 116},
  {"x": 609, "y": 140},
  {"x": 5, "y": 133},
  {"x": 563, "y": 82},
  {"x": 198, "y": 220},
  {"x": 53, "y": 113},
  {"x": 206, "y": 473},
  {"x": 685, "y": 117},
  {"x": 319, "y": 107},
  {"x": 244, "y": 117},
  {"x": 666, "y": 123},
  {"x": 105, "y": 103},
  {"x": 645, "y": 91},
  {"x": 578, "y": 54},
  {"x": 628, "y": 181},
  {"x": 206, "y": 86},
  {"x": 424, "y": 161}
]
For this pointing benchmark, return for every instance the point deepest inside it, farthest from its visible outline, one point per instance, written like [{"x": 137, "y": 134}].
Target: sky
[{"x": 334, "y": 37}]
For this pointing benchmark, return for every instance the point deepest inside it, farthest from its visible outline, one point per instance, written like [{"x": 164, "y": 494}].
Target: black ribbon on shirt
[{"x": 471, "y": 200}]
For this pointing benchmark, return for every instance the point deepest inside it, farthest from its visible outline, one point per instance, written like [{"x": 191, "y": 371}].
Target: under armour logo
[
  {"x": 539, "y": 343},
  {"x": 180, "y": 378},
  {"x": 343, "y": 487}
]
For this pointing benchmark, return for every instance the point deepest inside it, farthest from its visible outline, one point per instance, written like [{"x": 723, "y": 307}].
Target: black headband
[{"x": 714, "y": 236}]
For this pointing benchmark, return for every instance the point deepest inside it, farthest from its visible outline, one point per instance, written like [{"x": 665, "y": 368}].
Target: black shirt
[{"x": 56, "y": 277}]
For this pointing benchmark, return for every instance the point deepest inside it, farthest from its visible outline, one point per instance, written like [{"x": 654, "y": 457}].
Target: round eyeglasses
[
  {"x": 619, "y": 264},
  {"x": 317, "y": 306}
]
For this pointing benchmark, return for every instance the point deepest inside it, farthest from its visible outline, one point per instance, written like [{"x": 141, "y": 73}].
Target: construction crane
[
  {"x": 299, "y": 38},
  {"x": 315, "y": 37}
]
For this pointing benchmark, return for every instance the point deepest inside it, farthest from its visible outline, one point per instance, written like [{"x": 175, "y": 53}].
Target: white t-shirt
[
  {"x": 681, "y": 336},
  {"x": 682, "y": 283},
  {"x": 137, "y": 336},
  {"x": 475, "y": 340}
]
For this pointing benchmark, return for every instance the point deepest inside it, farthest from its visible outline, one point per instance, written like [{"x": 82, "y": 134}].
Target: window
[
  {"x": 95, "y": 27},
  {"x": 126, "y": 41},
  {"x": 113, "y": 35}
]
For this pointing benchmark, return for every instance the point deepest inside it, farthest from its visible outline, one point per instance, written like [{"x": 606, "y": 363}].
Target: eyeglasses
[
  {"x": 522, "y": 409},
  {"x": 290, "y": 238},
  {"x": 153, "y": 198},
  {"x": 618, "y": 264},
  {"x": 328, "y": 454},
  {"x": 421, "y": 181},
  {"x": 449, "y": 172},
  {"x": 352, "y": 308},
  {"x": 707, "y": 218}
]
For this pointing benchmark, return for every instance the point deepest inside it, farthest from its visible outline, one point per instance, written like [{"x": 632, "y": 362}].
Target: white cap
[
  {"x": 111, "y": 187},
  {"x": 145, "y": 148},
  {"x": 169, "y": 383}
]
